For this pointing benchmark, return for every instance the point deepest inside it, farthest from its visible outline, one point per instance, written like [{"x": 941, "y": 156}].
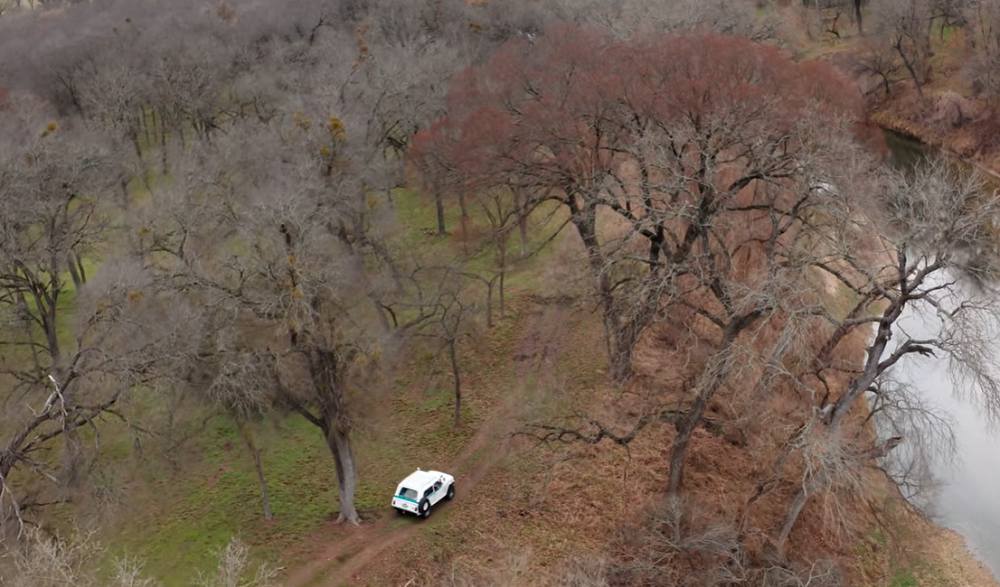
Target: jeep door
[{"x": 438, "y": 491}]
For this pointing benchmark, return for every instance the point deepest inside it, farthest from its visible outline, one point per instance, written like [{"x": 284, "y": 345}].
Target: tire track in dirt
[{"x": 340, "y": 561}]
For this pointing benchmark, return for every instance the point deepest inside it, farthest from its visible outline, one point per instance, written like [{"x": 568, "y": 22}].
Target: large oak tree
[{"x": 661, "y": 133}]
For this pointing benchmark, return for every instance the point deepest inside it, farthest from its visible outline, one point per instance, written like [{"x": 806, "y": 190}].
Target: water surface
[{"x": 969, "y": 501}]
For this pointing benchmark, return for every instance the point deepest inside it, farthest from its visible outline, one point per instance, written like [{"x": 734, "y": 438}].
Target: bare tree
[
  {"x": 680, "y": 542},
  {"x": 79, "y": 559},
  {"x": 730, "y": 17},
  {"x": 294, "y": 228},
  {"x": 936, "y": 254},
  {"x": 111, "y": 85},
  {"x": 983, "y": 19},
  {"x": 233, "y": 567},
  {"x": 44, "y": 561},
  {"x": 53, "y": 175},
  {"x": 241, "y": 386},
  {"x": 643, "y": 173},
  {"x": 452, "y": 322},
  {"x": 948, "y": 13},
  {"x": 905, "y": 26},
  {"x": 900, "y": 412},
  {"x": 122, "y": 339},
  {"x": 879, "y": 60},
  {"x": 506, "y": 209}
]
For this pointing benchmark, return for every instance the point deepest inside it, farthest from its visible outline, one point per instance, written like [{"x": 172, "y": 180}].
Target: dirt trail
[{"x": 340, "y": 561}]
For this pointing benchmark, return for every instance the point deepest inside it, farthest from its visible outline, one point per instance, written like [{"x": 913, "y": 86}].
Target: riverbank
[
  {"x": 946, "y": 113},
  {"x": 950, "y": 119},
  {"x": 935, "y": 555},
  {"x": 948, "y": 561},
  {"x": 957, "y": 126}
]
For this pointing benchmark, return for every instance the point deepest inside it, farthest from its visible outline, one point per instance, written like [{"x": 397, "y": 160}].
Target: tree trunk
[
  {"x": 465, "y": 223},
  {"x": 458, "y": 382},
  {"x": 133, "y": 135},
  {"x": 714, "y": 375},
  {"x": 326, "y": 373},
  {"x": 72, "y": 456},
  {"x": 502, "y": 252},
  {"x": 619, "y": 358},
  {"x": 22, "y": 306},
  {"x": 46, "y": 304},
  {"x": 911, "y": 69},
  {"x": 522, "y": 222},
  {"x": 244, "y": 429},
  {"x": 145, "y": 124},
  {"x": 74, "y": 272},
  {"x": 163, "y": 144},
  {"x": 502, "y": 302},
  {"x": 347, "y": 474},
  {"x": 857, "y": 387},
  {"x": 798, "y": 503},
  {"x": 80, "y": 268},
  {"x": 522, "y": 229},
  {"x": 123, "y": 184},
  {"x": 439, "y": 209},
  {"x": 489, "y": 303}
]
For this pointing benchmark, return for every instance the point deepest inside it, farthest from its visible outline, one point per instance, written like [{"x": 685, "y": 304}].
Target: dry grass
[
  {"x": 545, "y": 506},
  {"x": 558, "y": 503},
  {"x": 561, "y": 502}
]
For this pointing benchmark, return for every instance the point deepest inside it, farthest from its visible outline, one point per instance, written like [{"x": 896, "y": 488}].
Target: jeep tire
[
  {"x": 451, "y": 492},
  {"x": 424, "y": 508}
]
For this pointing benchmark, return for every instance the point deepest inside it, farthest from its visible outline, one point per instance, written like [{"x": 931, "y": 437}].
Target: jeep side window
[
  {"x": 429, "y": 491},
  {"x": 437, "y": 486}
]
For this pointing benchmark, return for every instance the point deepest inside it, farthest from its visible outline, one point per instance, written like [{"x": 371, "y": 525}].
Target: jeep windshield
[{"x": 408, "y": 493}]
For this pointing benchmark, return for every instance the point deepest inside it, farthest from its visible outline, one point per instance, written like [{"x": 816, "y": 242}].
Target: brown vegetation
[{"x": 691, "y": 381}]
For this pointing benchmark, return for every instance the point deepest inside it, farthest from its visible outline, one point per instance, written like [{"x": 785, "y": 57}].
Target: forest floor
[
  {"x": 176, "y": 512},
  {"x": 338, "y": 563},
  {"x": 518, "y": 506},
  {"x": 477, "y": 537}
]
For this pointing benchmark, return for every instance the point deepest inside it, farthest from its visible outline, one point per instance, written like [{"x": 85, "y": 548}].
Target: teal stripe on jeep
[{"x": 405, "y": 498}]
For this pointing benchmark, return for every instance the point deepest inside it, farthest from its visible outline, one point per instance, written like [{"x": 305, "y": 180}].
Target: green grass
[
  {"x": 183, "y": 518},
  {"x": 903, "y": 578},
  {"x": 878, "y": 559},
  {"x": 418, "y": 217},
  {"x": 944, "y": 34},
  {"x": 176, "y": 520},
  {"x": 917, "y": 572}
]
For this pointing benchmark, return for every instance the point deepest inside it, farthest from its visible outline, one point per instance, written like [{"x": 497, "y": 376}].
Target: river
[{"x": 969, "y": 501}]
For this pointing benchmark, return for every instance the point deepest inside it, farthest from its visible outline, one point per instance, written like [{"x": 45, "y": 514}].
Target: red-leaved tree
[{"x": 661, "y": 133}]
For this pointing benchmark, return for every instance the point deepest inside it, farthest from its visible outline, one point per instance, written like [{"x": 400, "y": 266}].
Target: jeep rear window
[{"x": 408, "y": 493}]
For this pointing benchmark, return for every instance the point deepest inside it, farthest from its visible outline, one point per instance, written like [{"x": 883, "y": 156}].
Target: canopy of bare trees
[
  {"x": 663, "y": 133},
  {"x": 203, "y": 200}
]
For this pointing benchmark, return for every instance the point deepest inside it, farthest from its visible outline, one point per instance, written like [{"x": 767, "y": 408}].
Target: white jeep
[{"x": 421, "y": 490}]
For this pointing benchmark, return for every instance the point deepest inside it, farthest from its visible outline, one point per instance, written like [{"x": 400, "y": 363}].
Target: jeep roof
[{"x": 420, "y": 479}]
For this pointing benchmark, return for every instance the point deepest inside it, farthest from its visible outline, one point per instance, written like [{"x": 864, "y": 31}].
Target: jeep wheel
[
  {"x": 451, "y": 492},
  {"x": 425, "y": 508}
]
